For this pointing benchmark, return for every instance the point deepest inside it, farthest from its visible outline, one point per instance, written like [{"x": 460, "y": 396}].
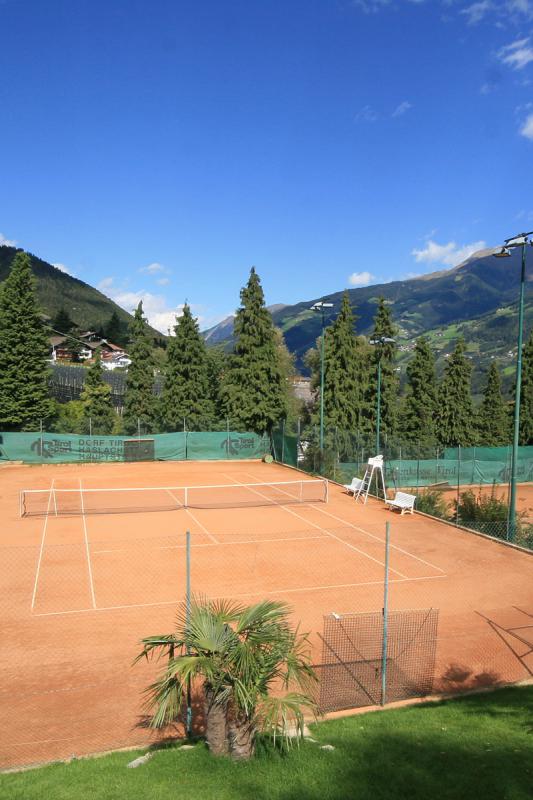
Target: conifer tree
[
  {"x": 526, "y": 394},
  {"x": 493, "y": 421},
  {"x": 116, "y": 331},
  {"x": 254, "y": 389},
  {"x": 383, "y": 327},
  {"x": 455, "y": 416},
  {"x": 217, "y": 364},
  {"x": 417, "y": 418},
  {"x": 98, "y": 413},
  {"x": 140, "y": 409},
  {"x": 62, "y": 323},
  {"x": 186, "y": 391},
  {"x": 344, "y": 372},
  {"x": 24, "y": 351}
]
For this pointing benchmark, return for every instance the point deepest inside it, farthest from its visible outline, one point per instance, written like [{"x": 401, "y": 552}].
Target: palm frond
[{"x": 282, "y": 718}]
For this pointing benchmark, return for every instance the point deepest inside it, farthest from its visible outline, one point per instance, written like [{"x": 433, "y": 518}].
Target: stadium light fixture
[
  {"x": 520, "y": 240},
  {"x": 379, "y": 342},
  {"x": 321, "y": 307}
]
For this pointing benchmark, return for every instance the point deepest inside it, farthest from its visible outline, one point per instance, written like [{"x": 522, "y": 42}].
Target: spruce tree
[
  {"x": 493, "y": 421},
  {"x": 344, "y": 372},
  {"x": 254, "y": 389},
  {"x": 140, "y": 407},
  {"x": 24, "y": 351},
  {"x": 383, "y": 328},
  {"x": 526, "y": 394},
  {"x": 62, "y": 323},
  {"x": 217, "y": 364},
  {"x": 116, "y": 331},
  {"x": 455, "y": 416},
  {"x": 98, "y": 413},
  {"x": 186, "y": 391},
  {"x": 417, "y": 418}
]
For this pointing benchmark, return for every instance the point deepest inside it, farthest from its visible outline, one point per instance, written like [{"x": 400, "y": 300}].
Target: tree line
[
  {"x": 251, "y": 385},
  {"x": 203, "y": 386},
  {"x": 430, "y": 412}
]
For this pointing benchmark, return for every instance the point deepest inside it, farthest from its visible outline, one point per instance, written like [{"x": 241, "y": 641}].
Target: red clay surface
[{"x": 78, "y": 593}]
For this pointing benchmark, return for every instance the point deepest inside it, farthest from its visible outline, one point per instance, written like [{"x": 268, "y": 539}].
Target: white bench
[
  {"x": 354, "y": 486},
  {"x": 403, "y": 501}
]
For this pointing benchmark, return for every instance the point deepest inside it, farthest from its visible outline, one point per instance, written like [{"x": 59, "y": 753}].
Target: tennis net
[{"x": 76, "y": 502}]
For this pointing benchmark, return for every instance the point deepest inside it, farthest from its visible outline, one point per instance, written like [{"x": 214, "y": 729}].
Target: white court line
[
  {"x": 218, "y": 544},
  {"x": 328, "y": 587},
  {"x": 91, "y": 584},
  {"x": 215, "y": 541},
  {"x": 371, "y": 535},
  {"x": 193, "y": 517},
  {"x": 324, "y": 530},
  {"x": 43, "y": 535}
]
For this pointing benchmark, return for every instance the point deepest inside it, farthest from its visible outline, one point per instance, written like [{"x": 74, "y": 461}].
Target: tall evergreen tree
[
  {"x": 526, "y": 394},
  {"x": 140, "y": 408},
  {"x": 217, "y": 364},
  {"x": 493, "y": 421},
  {"x": 417, "y": 417},
  {"x": 62, "y": 323},
  {"x": 254, "y": 388},
  {"x": 24, "y": 351},
  {"x": 383, "y": 327},
  {"x": 186, "y": 391},
  {"x": 116, "y": 331},
  {"x": 344, "y": 372},
  {"x": 99, "y": 416},
  {"x": 455, "y": 416}
]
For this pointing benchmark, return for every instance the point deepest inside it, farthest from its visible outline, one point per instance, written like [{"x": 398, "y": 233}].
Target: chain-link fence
[{"x": 463, "y": 486}]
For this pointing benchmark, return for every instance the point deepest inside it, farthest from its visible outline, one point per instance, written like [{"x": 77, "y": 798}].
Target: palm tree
[{"x": 239, "y": 655}]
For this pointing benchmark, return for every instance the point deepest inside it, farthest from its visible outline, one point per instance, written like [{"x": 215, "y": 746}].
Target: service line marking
[{"x": 325, "y": 530}]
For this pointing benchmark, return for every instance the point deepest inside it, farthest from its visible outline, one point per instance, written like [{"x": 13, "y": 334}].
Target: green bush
[{"x": 432, "y": 502}]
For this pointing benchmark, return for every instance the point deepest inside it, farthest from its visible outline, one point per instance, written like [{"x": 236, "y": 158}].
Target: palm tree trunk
[
  {"x": 241, "y": 735},
  {"x": 216, "y": 732}
]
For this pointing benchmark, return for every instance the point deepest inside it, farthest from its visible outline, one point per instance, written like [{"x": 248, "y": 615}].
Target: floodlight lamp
[{"x": 504, "y": 253}]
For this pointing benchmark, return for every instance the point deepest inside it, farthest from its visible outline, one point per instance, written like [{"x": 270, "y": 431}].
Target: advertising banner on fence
[{"x": 58, "y": 448}]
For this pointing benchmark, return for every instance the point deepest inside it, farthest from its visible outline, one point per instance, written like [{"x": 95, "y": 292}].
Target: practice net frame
[{"x": 77, "y": 502}]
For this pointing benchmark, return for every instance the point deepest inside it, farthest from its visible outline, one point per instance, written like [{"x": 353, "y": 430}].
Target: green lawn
[{"x": 478, "y": 747}]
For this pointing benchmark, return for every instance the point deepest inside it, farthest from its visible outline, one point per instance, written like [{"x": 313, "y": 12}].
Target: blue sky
[{"x": 159, "y": 149}]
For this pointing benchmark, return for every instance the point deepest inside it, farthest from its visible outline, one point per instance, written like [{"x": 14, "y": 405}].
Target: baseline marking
[
  {"x": 219, "y": 544},
  {"x": 325, "y": 530},
  {"x": 244, "y": 594},
  {"x": 43, "y": 535},
  {"x": 89, "y": 568},
  {"x": 371, "y": 535}
]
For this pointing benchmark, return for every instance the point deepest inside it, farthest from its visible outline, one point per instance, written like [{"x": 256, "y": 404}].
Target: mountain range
[
  {"x": 87, "y": 306},
  {"x": 477, "y": 299}
]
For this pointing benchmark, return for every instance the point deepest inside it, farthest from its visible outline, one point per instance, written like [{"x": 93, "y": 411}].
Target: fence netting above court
[{"x": 57, "y": 448}]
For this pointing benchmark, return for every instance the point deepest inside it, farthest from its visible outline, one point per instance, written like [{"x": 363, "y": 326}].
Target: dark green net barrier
[{"x": 57, "y": 448}]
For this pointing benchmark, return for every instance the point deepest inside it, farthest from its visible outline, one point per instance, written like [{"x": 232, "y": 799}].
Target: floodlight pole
[
  {"x": 379, "y": 342},
  {"x": 320, "y": 306},
  {"x": 512, "y": 243}
]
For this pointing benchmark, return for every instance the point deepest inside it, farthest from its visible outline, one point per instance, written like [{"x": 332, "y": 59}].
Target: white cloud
[
  {"x": 517, "y": 54},
  {"x": 153, "y": 269},
  {"x": 366, "y": 114},
  {"x": 360, "y": 278},
  {"x": 449, "y": 255},
  {"x": 157, "y": 310},
  {"x": 163, "y": 281},
  {"x": 63, "y": 268},
  {"x": 527, "y": 128},
  {"x": 7, "y": 242},
  {"x": 402, "y": 108},
  {"x": 477, "y": 11}
]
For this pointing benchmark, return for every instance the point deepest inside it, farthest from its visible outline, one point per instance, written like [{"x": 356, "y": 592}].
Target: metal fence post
[
  {"x": 41, "y": 422},
  {"x": 188, "y": 723},
  {"x": 385, "y": 618}
]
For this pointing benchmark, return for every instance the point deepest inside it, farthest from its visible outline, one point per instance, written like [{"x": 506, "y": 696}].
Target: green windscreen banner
[
  {"x": 59, "y": 448},
  {"x": 217, "y": 445}
]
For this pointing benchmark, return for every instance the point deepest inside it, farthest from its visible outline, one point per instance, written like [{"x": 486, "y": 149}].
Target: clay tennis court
[{"x": 81, "y": 588}]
